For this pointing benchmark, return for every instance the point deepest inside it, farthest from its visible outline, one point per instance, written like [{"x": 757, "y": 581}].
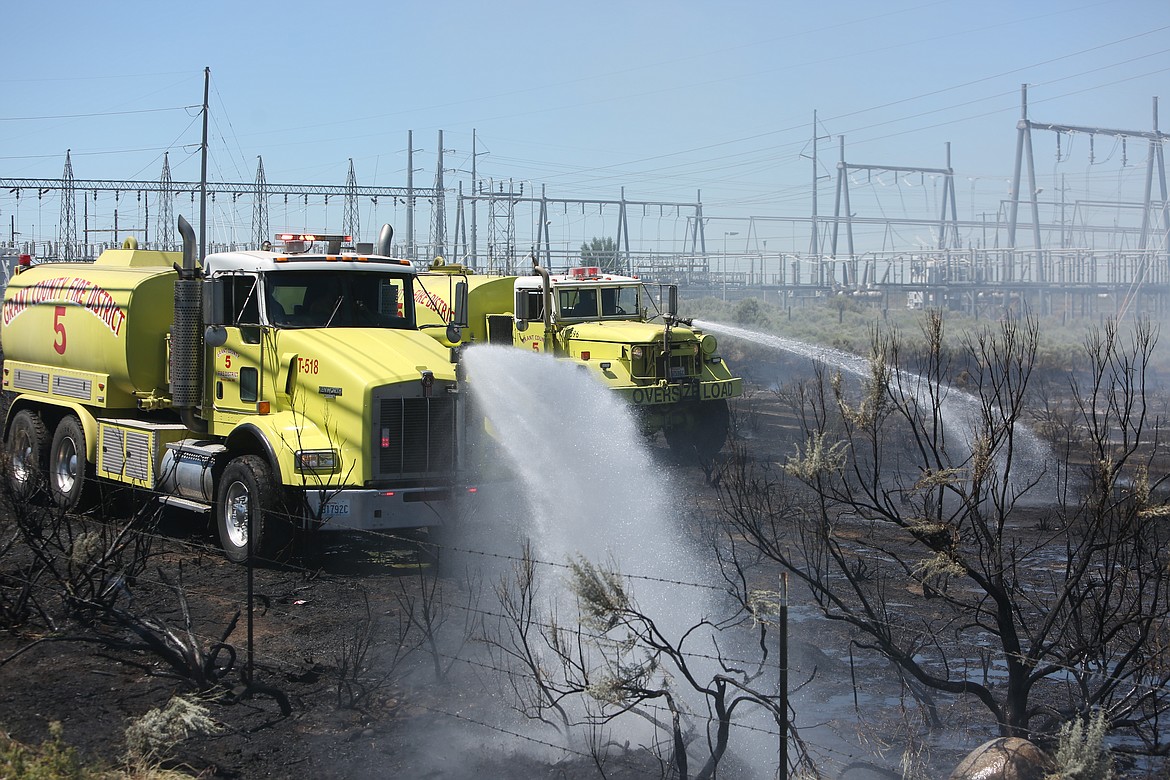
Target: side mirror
[
  {"x": 213, "y": 301},
  {"x": 672, "y": 299},
  {"x": 214, "y": 336},
  {"x": 459, "y": 317},
  {"x": 454, "y": 333},
  {"x": 522, "y": 312}
]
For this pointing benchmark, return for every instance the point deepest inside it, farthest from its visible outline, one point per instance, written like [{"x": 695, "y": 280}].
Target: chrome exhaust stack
[{"x": 186, "y": 365}]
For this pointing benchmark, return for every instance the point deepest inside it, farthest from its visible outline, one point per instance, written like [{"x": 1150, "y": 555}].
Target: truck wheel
[
  {"x": 28, "y": 443},
  {"x": 249, "y": 507},
  {"x": 703, "y": 435},
  {"x": 68, "y": 464}
]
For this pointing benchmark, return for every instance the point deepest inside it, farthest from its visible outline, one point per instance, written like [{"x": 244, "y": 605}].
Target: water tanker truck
[
  {"x": 620, "y": 330},
  {"x": 275, "y": 390}
]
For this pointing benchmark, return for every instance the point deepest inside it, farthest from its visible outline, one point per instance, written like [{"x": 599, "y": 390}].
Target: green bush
[
  {"x": 51, "y": 760},
  {"x": 1081, "y": 752}
]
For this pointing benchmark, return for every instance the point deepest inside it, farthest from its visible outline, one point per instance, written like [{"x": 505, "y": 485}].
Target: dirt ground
[
  {"x": 95, "y": 679},
  {"x": 307, "y": 713},
  {"x": 438, "y": 712}
]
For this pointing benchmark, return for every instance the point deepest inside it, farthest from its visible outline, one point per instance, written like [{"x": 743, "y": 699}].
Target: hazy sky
[{"x": 665, "y": 99}]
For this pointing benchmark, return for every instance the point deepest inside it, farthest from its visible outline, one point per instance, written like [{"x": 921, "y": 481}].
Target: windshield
[
  {"x": 582, "y": 302},
  {"x": 345, "y": 299},
  {"x": 620, "y": 301}
]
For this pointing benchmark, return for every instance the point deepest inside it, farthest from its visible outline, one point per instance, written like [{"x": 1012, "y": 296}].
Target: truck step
[{"x": 184, "y": 503}]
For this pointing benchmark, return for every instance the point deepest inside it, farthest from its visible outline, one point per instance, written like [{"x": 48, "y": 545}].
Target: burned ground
[
  {"x": 345, "y": 683},
  {"x": 330, "y": 641}
]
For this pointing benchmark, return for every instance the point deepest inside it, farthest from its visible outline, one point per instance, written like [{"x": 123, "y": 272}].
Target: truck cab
[
  {"x": 623, "y": 331},
  {"x": 274, "y": 389}
]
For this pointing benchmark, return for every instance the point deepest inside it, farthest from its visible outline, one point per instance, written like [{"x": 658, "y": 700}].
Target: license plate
[{"x": 335, "y": 508}]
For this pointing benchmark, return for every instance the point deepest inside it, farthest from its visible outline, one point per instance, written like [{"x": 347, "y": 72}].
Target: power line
[
  {"x": 129, "y": 185},
  {"x": 93, "y": 114}
]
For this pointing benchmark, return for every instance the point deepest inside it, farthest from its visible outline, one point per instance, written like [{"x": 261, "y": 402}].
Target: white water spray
[
  {"x": 592, "y": 485},
  {"x": 593, "y": 489},
  {"x": 960, "y": 409}
]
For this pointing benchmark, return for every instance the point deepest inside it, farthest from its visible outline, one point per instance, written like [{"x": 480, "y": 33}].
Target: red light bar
[
  {"x": 339, "y": 258},
  {"x": 312, "y": 237}
]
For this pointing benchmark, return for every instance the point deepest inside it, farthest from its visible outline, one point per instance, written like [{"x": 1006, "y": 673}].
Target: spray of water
[
  {"x": 959, "y": 411},
  {"x": 592, "y": 486},
  {"x": 592, "y": 489},
  {"x": 586, "y": 484}
]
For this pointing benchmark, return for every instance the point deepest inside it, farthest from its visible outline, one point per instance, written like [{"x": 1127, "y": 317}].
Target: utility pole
[
  {"x": 410, "y": 194},
  {"x": 439, "y": 208},
  {"x": 203, "y": 170},
  {"x": 474, "y": 202},
  {"x": 814, "y": 243}
]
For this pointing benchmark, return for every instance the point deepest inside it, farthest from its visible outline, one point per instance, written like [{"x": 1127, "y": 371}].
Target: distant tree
[
  {"x": 749, "y": 313},
  {"x": 603, "y": 253},
  {"x": 950, "y": 552}
]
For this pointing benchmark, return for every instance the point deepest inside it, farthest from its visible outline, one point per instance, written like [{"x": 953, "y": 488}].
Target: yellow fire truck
[
  {"x": 273, "y": 389},
  {"x": 625, "y": 332}
]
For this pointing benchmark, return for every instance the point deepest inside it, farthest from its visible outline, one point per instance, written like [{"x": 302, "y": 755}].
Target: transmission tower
[
  {"x": 166, "y": 212},
  {"x": 350, "y": 223},
  {"x": 260, "y": 206},
  {"x": 948, "y": 219},
  {"x": 68, "y": 212},
  {"x": 1025, "y": 160},
  {"x": 439, "y": 210},
  {"x": 502, "y": 227}
]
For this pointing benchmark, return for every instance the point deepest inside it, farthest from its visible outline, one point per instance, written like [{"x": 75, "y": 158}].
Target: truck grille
[
  {"x": 681, "y": 363},
  {"x": 415, "y": 436}
]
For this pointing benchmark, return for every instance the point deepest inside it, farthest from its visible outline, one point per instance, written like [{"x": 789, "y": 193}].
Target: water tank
[{"x": 108, "y": 317}]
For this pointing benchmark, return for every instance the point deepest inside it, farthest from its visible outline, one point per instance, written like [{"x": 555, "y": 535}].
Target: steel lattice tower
[
  {"x": 350, "y": 223},
  {"x": 439, "y": 208},
  {"x": 502, "y": 211},
  {"x": 260, "y": 207},
  {"x": 68, "y": 212},
  {"x": 166, "y": 211}
]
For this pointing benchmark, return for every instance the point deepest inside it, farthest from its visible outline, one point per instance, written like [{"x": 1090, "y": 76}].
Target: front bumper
[
  {"x": 674, "y": 392},
  {"x": 374, "y": 510}
]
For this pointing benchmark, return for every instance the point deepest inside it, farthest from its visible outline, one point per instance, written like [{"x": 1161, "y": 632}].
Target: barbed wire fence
[{"x": 228, "y": 597}]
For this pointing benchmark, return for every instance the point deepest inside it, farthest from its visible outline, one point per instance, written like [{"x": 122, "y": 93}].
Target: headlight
[
  {"x": 636, "y": 353},
  {"x": 316, "y": 460}
]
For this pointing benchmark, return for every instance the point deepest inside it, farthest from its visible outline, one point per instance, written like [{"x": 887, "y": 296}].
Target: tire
[
  {"x": 703, "y": 434},
  {"x": 249, "y": 509},
  {"x": 28, "y": 452},
  {"x": 68, "y": 465}
]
